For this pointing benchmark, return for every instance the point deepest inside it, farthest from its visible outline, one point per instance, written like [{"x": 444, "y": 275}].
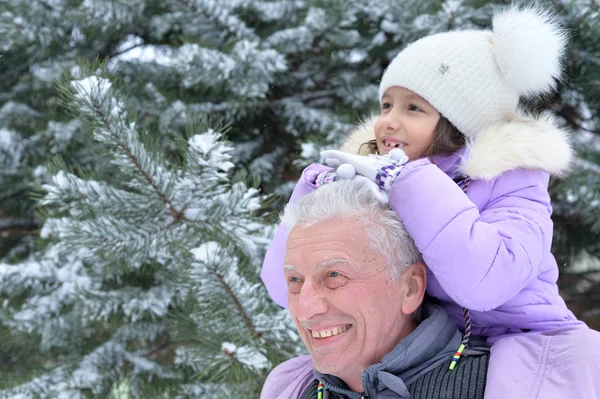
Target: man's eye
[
  {"x": 294, "y": 285},
  {"x": 335, "y": 280}
]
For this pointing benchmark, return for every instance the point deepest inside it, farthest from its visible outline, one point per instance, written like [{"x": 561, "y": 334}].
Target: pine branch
[
  {"x": 178, "y": 215},
  {"x": 587, "y": 166},
  {"x": 19, "y": 232},
  {"x": 17, "y": 228},
  {"x": 46, "y": 5},
  {"x": 590, "y": 276},
  {"x": 188, "y": 5},
  {"x": 317, "y": 95},
  {"x": 165, "y": 353},
  {"x": 219, "y": 24},
  {"x": 571, "y": 116},
  {"x": 255, "y": 334},
  {"x": 193, "y": 8},
  {"x": 118, "y": 53}
]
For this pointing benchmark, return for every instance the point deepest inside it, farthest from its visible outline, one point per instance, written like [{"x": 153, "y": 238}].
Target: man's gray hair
[{"x": 353, "y": 199}]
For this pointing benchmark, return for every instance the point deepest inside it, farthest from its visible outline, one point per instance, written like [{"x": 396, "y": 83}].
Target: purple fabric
[
  {"x": 289, "y": 380},
  {"x": 272, "y": 270},
  {"x": 488, "y": 250},
  {"x": 326, "y": 177},
  {"x": 558, "y": 364},
  {"x": 387, "y": 176}
]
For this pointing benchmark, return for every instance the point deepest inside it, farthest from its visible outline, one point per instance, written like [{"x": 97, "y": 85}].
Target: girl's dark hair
[
  {"x": 447, "y": 139},
  {"x": 371, "y": 147}
]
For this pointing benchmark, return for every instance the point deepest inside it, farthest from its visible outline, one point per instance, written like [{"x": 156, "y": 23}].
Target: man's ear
[{"x": 415, "y": 280}]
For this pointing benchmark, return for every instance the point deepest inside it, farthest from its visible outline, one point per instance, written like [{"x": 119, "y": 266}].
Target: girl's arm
[
  {"x": 481, "y": 259},
  {"x": 272, "y": 269}
]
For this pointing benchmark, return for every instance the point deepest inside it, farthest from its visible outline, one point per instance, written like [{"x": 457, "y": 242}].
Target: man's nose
[{"x": 311, "y": 301}]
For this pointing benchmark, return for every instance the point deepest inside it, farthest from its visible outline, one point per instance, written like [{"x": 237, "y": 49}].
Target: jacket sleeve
[
  {"x": 289, "y": 379},
  {"x": 272, "y": 269},
  {"x": 480, "y": 259}
]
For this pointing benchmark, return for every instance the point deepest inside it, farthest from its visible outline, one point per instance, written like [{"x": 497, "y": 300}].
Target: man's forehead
[
  {"x": 347, "y": 231},
  {"x": 324, "y": 244}
]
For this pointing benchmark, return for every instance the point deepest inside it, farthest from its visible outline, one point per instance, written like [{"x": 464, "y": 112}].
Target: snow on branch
[{"x": 247, "y": 71}]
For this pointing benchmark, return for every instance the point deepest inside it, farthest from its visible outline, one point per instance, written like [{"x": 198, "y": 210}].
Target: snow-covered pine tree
[
  {"x": 150, "y": 275},
  {"x": 291, "y": 76},
  {"x": 287, "y": 77}
]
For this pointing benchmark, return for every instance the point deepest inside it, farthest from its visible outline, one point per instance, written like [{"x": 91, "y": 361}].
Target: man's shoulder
[{"x": 289, "y": 379}]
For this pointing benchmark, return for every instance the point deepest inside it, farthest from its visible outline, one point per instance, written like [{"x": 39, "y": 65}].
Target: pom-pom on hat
[{"x": 476, "y": 77}]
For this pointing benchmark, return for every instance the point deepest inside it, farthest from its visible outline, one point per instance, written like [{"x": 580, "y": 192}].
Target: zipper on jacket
[
  {"x": 364, "y": 382},
  {"x": 346, "y": 392}
]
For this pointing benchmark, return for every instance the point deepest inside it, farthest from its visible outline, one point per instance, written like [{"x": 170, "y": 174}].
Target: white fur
[
  {"x": 522, "y": 142},
  {"x": 529, "y": 44},
  {"x": 362, "y": 133}
]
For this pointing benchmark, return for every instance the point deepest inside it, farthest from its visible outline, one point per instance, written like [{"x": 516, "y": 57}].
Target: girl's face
[{"x": 407, "y": 121}]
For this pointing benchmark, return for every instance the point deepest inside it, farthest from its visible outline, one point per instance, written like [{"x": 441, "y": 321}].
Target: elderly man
[{"x": 355, "y": 286}]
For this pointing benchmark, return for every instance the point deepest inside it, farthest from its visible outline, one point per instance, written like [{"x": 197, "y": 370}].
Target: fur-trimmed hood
[{"x": 521, "y": 142}]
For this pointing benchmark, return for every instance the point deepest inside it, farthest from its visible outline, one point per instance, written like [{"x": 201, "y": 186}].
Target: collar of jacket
[
  {"x": 521, "y": 141},
  {"x": 432, "y": 343}
]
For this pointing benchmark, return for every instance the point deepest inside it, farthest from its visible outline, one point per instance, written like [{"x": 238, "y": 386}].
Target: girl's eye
[
  {"x": 386, "y": 106},
  {"x": 413, "y": 107}
]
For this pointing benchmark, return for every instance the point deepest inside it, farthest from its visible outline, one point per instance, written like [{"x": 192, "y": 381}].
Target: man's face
[{"x": 346, "y": 308}]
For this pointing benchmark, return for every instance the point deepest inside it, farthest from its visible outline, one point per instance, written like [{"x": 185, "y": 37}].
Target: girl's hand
[
  {"x": 347, "y": 172},
  {"x": 382, "y": 170}
]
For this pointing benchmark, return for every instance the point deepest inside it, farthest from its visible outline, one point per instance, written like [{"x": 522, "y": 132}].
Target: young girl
[{"x": 450, "y": 102}]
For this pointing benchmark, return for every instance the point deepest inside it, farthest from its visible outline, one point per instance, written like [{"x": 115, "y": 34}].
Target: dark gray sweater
[{"x": 466, "y": 381}]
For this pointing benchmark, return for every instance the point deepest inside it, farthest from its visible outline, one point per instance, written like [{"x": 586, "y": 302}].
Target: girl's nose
[{"x": 391, "y": 122}]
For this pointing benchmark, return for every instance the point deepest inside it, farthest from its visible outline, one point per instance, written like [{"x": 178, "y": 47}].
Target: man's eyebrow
[
  {"x": 330, "y": 262},
  {"x": 326, "y": 263}
]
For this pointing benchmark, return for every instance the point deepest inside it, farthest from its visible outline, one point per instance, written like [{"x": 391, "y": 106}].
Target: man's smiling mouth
[{"x": 330, "y": 332}]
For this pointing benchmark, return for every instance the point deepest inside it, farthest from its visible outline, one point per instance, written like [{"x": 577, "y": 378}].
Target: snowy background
[{"x": 146, "y": 147}]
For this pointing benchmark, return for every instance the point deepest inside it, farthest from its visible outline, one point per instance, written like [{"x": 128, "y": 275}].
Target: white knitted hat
[{"x": 475, "y": 77}]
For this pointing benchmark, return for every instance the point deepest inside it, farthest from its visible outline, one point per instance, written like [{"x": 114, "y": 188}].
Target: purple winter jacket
[{"x": 488, "y": 250}]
